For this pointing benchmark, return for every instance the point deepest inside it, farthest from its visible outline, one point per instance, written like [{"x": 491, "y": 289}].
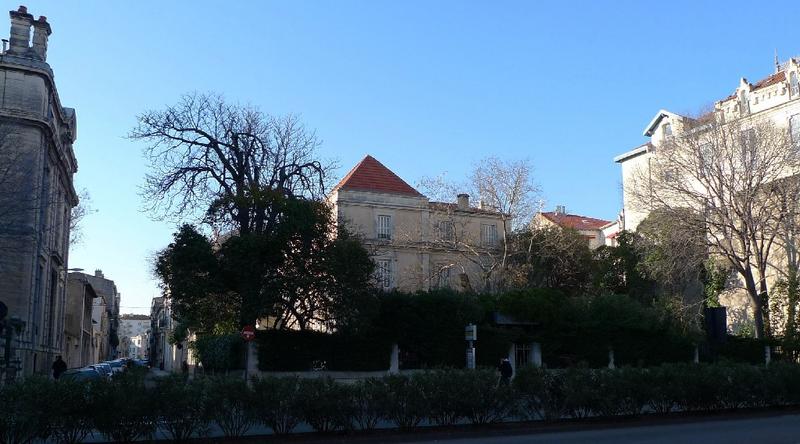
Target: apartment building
[{"x": 774, "y": 102}]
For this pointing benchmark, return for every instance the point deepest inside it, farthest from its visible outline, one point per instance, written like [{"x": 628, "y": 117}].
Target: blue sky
[{"x": 425, "y": 87}]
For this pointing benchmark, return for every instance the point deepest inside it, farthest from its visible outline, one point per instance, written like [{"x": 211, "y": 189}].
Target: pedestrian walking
[
  {"x": 59, "y": 367},
  {"x": 506, "y": 371}
]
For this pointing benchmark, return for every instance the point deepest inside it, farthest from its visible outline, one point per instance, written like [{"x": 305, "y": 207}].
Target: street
[{"x": 783, "y": 429}]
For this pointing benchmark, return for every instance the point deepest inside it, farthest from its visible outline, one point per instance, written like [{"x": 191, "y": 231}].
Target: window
[
  {"x": 384, "y": 227},
  {"x": 488, "y": 235},
  {"x": 794, "y": 129},
  {"x": 522, "y": 354},
  {"x": 383, "y": 273},
  {"x": 667, "y": 129},
  {"x": 443, "y": 278},
  {"x": 794, "y": 85},
  {"x": 706, "y": 155},
  {"x": 446, "y": 230},
  {"x": 748, "y": 146}
]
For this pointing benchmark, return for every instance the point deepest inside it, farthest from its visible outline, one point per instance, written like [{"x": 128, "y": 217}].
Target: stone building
[
  {"x": 79, "y": 341},
  {"x": 37, "y": 165},
  {"x": 417, "y": 244},
  {"x": 133, "y": 334},
  {"x": 774, "y": 99}
]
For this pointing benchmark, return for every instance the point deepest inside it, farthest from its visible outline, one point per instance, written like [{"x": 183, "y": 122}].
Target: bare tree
[
  {"x": 721, "y": 178},
  {"x": 226, "y": 162},
  {"x": 505, "y": 190},
  {"x": 78, "y": 215},
  {"x": 19, "y": 193}
]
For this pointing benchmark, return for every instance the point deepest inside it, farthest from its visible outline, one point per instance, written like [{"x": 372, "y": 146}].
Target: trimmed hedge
[
  {"x": 280, "y": 350},
  {"x": 126, "y": 409}
]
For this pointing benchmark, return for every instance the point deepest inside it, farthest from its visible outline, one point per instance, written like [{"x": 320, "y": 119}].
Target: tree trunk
[{"x": 755, "y": 297}]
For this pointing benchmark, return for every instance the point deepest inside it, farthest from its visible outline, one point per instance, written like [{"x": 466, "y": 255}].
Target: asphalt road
[{"x": 783, "y": 429}]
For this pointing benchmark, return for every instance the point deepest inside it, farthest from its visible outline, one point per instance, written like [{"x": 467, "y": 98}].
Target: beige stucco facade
[
  {"x": 428, "y": 244},
  {"x": 775, "y": 99}
]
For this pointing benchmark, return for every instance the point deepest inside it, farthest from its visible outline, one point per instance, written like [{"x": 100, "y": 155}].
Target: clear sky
[{"x": 425, "y": 87}]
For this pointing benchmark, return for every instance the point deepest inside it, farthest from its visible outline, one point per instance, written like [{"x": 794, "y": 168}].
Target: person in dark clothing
[
  {"x": 59, "y": 367},
  {"x": 506, "y": 372}
]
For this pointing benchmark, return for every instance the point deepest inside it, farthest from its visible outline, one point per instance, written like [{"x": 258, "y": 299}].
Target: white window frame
[
  {"x": 384, "y": 227},
  {"x": 489, "y": 235},
  {"x": 383, "y": 273}
]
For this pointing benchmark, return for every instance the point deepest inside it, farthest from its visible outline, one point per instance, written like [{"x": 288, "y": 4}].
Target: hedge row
[{"x": 126, "y": 410}]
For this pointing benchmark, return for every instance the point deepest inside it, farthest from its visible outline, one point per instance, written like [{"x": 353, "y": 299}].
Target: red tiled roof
[
  {"x": 771, "y": 80},
  {"x": 575, "y": 221},
  {"x": 763, "y": 83},
  {"x": 371, "y": 175}
]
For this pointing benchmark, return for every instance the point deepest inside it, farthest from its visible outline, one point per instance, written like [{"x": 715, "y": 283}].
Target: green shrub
[
  {"x": 277, "y": 403},
  {"x": 483, "y": 398},
  {"x": 71, "y": 410},
  {"x": 292, "y": 350},
  {"x": 581, "y": 392},
  {"x": 405, "y": 402},
  {"x": 697, "y": 387},
  {"x": 326, "y": 405},
  {"x": 662, "y": 389},
  {"x": 543, "y": 393},
  {"x": 621, "y": 391},
  {"x": 220, "y": 352},
  {"x": 24, "y": 407},
  {"x": 444, "y": 390},
  {"x": 369, "y": 402},
  {"x": 183, "y": 407},
  {"x": 232, "y": 404},
  {"x": 124, "y": 408}
]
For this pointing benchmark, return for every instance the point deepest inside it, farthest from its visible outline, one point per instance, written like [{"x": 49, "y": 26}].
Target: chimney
[
  {"x": 21, "y": 23},
  {"x": 561, "y": 210},
  {"x": 98, "y": 273},
  {"x": 41, "y": 31},
  {"x": 463, "y": 201}
]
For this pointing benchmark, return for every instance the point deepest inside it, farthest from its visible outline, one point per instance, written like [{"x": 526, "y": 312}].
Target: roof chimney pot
[
  {"x": 463, "y": 201},
  {"x": 41, "y": 32},
  {"x": 21, "y": 23}
]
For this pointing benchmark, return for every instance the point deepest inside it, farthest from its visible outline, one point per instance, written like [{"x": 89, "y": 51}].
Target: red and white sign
[{"x": 248, "y": 333}]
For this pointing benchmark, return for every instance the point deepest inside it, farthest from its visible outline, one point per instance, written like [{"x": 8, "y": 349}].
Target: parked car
[
  {"x": 81, "y": 374},
  {"x": 117, "y": 365},
  {"x": 104, "y": 369}
]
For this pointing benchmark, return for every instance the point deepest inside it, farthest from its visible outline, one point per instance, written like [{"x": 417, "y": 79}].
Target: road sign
[
  {"x": 471, "y": 332},
  {"x": 248, "y": 333}
]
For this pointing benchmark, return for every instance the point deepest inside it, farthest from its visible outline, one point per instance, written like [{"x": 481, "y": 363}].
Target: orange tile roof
[
  {"x": 371, "y": 175},
  {"x": 763, "y": 83},
  {"x": 575, "y": 221}
]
